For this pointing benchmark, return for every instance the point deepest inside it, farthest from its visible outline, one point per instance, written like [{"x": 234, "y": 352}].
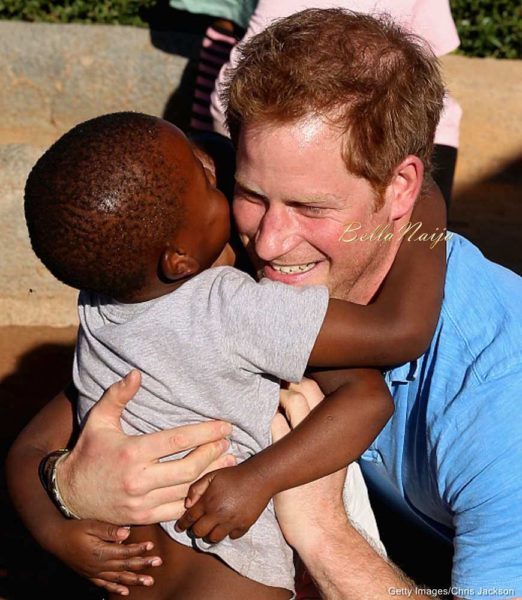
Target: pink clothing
[{"x": 430, "y": 19}]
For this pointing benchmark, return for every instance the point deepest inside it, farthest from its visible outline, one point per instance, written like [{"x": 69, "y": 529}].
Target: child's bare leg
[{"x": 190, "y": 575}]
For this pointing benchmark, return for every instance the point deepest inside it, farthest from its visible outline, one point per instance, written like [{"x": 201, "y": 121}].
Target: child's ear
[
  {"x": 208, "y": 163},
  {"x": 176, "y": 264}
]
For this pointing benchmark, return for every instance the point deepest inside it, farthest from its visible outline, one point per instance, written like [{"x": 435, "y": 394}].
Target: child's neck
[
  {"x": 156, "y": 290},
  {"x": 158, "y": 286}
]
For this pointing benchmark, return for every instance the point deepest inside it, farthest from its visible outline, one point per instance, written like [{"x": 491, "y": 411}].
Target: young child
[{"x": 121, "y": 208}]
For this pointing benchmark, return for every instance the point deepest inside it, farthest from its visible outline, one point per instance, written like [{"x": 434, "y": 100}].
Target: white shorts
[{"x": 358, "y": 507}]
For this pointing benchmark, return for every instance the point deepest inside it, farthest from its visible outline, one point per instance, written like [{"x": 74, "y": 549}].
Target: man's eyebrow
[
  {"x": 303, "y": 199},
  {"x": 317, "y": 199}
]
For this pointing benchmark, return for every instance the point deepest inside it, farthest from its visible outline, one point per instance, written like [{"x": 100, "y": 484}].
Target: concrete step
[{"x": 29, "y": 295}]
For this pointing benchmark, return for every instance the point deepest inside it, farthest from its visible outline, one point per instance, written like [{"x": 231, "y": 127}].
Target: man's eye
[
  {"x": 242, "y": 195},
  {"x": 314, "y": 210}
]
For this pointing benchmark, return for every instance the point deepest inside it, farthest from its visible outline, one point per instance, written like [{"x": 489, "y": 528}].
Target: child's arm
[
  {"x": 87, "y": 546},
  {"x": 399, "y": 325},
  {"x": 336, "y": 432}
]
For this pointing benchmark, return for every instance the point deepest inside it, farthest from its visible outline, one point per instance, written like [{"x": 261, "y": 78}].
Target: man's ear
[
  {"x": 176, "y": 264},
  {"x": 405, "y": 186}
]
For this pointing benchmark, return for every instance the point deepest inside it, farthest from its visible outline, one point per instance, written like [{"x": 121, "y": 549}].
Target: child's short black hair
[{"x": 101, "y": 201}]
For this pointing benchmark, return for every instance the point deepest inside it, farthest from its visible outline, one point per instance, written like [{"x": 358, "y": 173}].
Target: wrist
[
  {"x": 65, "y": 480},
  {"x": 258, "y": 478},
  {"x": 270, "y": 470},
  {"x": 325, "y": 531},
  {"x": 51, "y": 471}
]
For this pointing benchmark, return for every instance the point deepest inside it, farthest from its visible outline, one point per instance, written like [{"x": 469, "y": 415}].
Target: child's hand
[
  {"x": 94, "y": 550},
  {"x": 224, "y": 502}
]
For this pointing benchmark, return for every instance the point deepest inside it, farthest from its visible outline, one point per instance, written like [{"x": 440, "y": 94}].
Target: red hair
[{"x": 379, "y": 84}]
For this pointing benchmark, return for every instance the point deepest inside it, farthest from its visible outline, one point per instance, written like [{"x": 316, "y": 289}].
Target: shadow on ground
[
  {"x": 489, "y": 213},
  {"x": 26, "y": 571}
]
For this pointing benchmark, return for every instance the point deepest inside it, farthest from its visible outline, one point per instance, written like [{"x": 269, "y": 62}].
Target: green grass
[
  {"x": 489, "y": 27},
  {"x": 124, "y": 12}
]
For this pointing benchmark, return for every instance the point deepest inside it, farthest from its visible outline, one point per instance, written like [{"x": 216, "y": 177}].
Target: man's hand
[
  {"x": 305, "y": 511},
  {"x": 94, "y": 551},
  {"x": 225, "y": 502},
  {"x": 116, "y": 478}
]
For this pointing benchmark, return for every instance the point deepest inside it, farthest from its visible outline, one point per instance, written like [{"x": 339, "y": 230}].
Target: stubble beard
[{"x": 364, "y": 278}]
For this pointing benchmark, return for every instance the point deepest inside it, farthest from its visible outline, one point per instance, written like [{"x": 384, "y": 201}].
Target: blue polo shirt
[{"x": 451, "y": 455}]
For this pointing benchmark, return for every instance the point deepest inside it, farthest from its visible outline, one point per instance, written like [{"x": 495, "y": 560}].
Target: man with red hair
[{"x": 333, "y": 115}]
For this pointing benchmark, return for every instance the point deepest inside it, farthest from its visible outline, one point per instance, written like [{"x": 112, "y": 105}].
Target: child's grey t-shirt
[{"x": 215, "y": 348}]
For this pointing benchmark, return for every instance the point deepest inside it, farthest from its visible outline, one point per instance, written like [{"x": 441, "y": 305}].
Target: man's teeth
[{"x": 289, "y": 269}]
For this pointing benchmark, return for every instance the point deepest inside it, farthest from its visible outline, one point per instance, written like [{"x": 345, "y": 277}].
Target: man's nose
[{"x": 277, "y": 233}]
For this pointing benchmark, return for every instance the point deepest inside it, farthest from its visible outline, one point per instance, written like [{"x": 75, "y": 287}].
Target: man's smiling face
[{"x": 293, "y": 199}]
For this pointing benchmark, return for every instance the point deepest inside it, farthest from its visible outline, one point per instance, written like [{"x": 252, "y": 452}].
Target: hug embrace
[{"x": 416, "y": 347}]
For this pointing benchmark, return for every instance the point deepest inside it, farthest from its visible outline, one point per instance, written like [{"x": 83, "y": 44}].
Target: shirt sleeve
[
  {"x": 484, "y": 491},
  {"x": 266, "y": 327}
]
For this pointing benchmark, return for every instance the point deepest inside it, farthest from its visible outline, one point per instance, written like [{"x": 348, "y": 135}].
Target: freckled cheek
[{"x": 322, "y": 234}]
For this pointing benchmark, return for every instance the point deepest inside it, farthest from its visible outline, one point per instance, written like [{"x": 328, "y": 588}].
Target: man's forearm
[{"x": 345, "y": 566}]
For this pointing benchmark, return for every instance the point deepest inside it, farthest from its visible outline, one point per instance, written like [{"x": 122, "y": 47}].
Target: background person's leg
[
  {"x": 444, "y": 159},
  {"x": 219, "y": 39}
]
